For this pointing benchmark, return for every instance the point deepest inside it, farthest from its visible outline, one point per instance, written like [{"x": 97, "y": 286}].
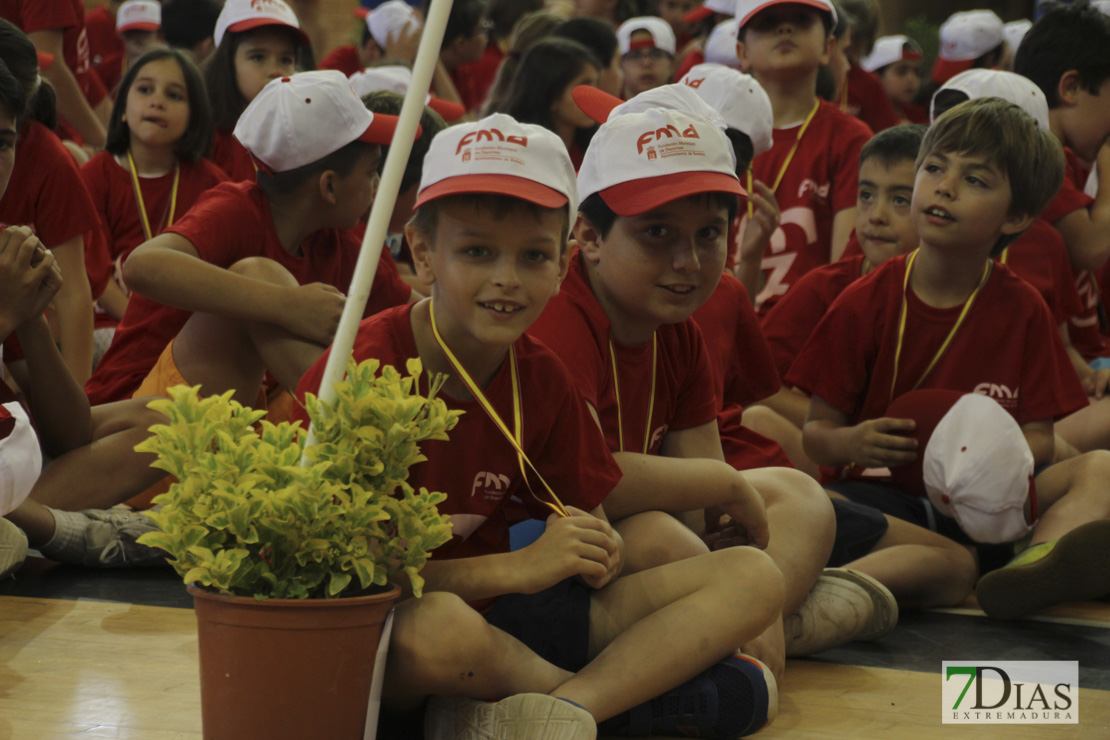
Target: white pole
[{"x": 427, "y": 56}]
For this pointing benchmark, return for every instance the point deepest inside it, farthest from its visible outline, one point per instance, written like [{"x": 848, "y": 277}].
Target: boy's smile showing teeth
[
  {"x": 938, "y": 213},
  {"x": 503, "y": 307}
]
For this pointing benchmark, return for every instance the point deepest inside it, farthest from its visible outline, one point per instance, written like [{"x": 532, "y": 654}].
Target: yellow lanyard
[
  {"x": 651, "y": 396},
  {"x": 789, "y": 156},
  {"x": 139, "y": 196},
  {"x": 516, "y": 437},
  {"x": 947, "y": 340},
  {"x": 1005, "y": 254}
]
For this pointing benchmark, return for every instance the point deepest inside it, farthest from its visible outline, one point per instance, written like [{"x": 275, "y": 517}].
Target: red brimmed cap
[
  {"x": 244, "y": 15},
  {"x": 746, "y": 9},
  {"x": 708, "y": 8}
]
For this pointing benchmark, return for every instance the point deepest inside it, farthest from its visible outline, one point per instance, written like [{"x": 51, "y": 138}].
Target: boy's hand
[
  {"x": 1096, "y": 383},
  {"x": 761, "y": 226},
  {"x": 29, "y": 276},
  {"x": 881, "y": 443},
  {"x": 404, "y": 43},
  {"x": 314, "y": 312},
  {"x": 740, "y": 522},
  {"x": 579, "y": 545}
]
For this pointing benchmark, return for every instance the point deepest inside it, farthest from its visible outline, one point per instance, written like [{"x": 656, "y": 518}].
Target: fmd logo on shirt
[
  {"x": 1010, "y": 692},
  {"x": 1007, "y": 398},
  {"x": 490, "y": 486}
]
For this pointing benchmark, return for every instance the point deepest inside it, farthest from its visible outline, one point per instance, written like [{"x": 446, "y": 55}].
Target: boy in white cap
[
  {"x": 660, "y": 190},
  {"x": 564, "y": 642},
  {"x": 647, "y": 46},
  {"x": 390, "y": 31},
  {"x": 139, "y": 27},
  {"x": 947, "y": 316},
  {"x": 970, "y": 38},
  {"x": 812, "y": 166},
  {"x": 896, "y": 60}
]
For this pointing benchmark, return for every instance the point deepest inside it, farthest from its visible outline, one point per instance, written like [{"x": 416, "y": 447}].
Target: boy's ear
[
  {"x": 588, "y": 238},
  {"x": 326, "y": 185},
  {"x": 830, "y": 47},
  {"x": 1068, "y": 87},
  {"x": 420, "y": 247},
  {"x": 742, "y": 55},
  {"x": 1016, "y": 223}
]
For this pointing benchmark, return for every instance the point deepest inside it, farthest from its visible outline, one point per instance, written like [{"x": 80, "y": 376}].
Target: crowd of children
[{"x": 761, "y": 292}]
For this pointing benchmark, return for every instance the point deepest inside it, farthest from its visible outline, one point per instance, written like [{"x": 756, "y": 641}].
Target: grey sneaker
[
  {"x": 834, "y": 612},
  {"x": 519, "y": 717},
  {"x": 13, "y": 548},
  {"x": 102, "y": 538}
]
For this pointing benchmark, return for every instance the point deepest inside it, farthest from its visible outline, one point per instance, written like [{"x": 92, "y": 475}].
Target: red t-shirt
[
  {"x": 67, "y": 16},
  {"x": 910, "y": 113},
  {"x": 743, "y": 372},
  {"x": 46, "y": 192},
  {"x": 103, "y": 39},
  {"x": 227, "y": 224},
  {"x": 477, "y": 467},
  {"x": 478, "y": 76},
  {"x": 109, "y": 185},
  {"x": 1007, "y": 348},
  {"x": 1040, "y": 258},
  {"x": 343, "y": 58},
  {"x": 232, "y": 157},
  {"x": 867, "y": 100},
  {"x": 821, "y": 180},
  {"x": 692, "y": 59},
  {"x": 790, "y": 323},
  {"x": 1084, "y": 329},
  {"x": 575, "y": 326}
]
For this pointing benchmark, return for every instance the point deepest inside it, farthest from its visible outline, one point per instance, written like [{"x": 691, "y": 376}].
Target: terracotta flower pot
[{"x": 287, "y": 668}]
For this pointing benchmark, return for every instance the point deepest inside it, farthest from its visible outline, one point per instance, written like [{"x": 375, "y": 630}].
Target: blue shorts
[
  {"x": 1100, "y": 363},
  {"x": 918, "y": 510},
  {"x": 858, "y": 530},
  {"x": 554, "y": 623}
]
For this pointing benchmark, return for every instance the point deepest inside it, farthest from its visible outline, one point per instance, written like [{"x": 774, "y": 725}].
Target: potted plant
[{"x": 291, "y": 561}]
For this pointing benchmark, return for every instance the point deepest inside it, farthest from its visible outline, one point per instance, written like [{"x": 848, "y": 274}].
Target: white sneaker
[
  {"x": 884, "y": 607},
  {"x": 13, "y": 548},
  {"x": 519, "y": 717},
  {"x": 102, "y": 538},
  {"x": 834, "y": 612}
]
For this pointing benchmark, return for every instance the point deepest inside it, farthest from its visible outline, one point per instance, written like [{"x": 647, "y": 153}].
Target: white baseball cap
[
  {"x": 708, "y": 8},
  {"x": 500, "y": 155},
  {"x": 891, "y": 49},
  {"x": 20, "y": 456},
  {"x": 639, "y": 161},
  {"x": 965, "y": 37},
  {"x": 601, "y": 106},
  {"x": 397, "y": 78},
  {"x": 720, "y": 46},
  {"x": 1101, "y": 5},
  {"x": 973, "y": 462},
  {"x": 139, "y": 15},
  {"x": 662, "y": 35},
  {"x": 741, "y": 101},
  {"x": 745, "y": 9},
  {"x": 243, "y": 15},
  {"x": 1015, "y": 31},
  {"x": 997, "y": 83},
  {"x": 388, "y": 20},
  {"x": 301, "y": 119}
]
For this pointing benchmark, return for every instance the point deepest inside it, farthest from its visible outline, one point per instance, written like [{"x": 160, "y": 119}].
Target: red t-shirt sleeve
[
  {"x": 566, "y": 331},
  {"x": 389, "y": 289},
  {"x": 45, "y": 15},
  {"x": 221, "y": 227},
  {"x": 754, "y": 375},
  {"x": 1070, "y": 197},
  {"x": 1050, "y": 386},
  {"x": 696, "y": 403},
  {"x": 845, "y": 171}
]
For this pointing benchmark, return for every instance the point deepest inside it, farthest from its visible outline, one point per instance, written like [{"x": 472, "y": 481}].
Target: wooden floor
[{"x": 95, "y": 669}]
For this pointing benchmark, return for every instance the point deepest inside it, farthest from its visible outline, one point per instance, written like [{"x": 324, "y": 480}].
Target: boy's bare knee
[
  {"x": 266, "y": 270},
  {"x": 436, "y": 632},
  {"x": 791, "y": 487},
  {"x": 750, "y": 576}
]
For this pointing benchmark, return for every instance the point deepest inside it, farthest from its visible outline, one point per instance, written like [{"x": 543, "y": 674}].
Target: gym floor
[{"x": 112, "y": 654}]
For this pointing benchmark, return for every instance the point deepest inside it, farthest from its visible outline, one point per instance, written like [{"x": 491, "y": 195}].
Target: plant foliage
[{"x": 245, "y": 517}]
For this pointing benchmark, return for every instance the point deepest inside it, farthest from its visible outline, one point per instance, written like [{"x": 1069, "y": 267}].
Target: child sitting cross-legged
[
  {"x": 519, "y": 643},
  {"x": 948, "y": 317}
]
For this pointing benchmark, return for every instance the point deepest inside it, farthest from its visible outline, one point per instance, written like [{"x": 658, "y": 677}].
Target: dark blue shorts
[
  {"x": 554, "y": 623},
  {"x": 918, "y": 510},
  {"x": 858, "y": 529}
]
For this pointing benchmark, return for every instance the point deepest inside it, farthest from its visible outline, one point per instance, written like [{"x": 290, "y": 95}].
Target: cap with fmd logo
[
  {"x": 640, "y": 161},
  {"x": 499, "y": 155}
]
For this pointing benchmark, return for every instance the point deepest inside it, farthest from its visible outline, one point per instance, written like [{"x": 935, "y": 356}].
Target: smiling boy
[
  {"x": 932, "y": 320},
  {"x": 549, "y": 629}
]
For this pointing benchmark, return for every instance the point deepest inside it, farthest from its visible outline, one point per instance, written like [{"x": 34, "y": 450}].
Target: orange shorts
[{"x": 165, "y": 375}]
